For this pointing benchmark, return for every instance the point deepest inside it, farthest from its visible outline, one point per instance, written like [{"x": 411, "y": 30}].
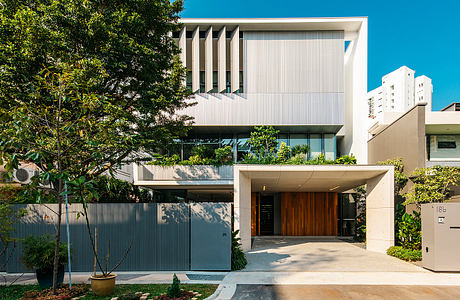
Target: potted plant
[{"x": 38, "y": 254}]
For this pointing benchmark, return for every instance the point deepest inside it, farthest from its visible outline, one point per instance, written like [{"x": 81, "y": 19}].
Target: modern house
[
  {"x": 306, "y": 77},
  {"x": 422, "y": 139}
]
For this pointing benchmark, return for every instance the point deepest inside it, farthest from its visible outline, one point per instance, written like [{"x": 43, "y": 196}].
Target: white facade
[
  {"x": 424, "y": 91},
  {"x": 399, "y": 92},
  {"x": 290, "y": 73}
]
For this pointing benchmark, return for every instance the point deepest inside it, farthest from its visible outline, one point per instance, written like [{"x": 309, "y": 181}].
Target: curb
[{"x": 223, "y": 292}]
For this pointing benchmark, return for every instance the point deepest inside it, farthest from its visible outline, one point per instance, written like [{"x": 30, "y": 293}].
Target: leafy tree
[
  {"x": 432, "y": 184},
  {"x": 399, "y": 175},
  {"x": 284, "y": 152},
  {"x": 263, "y": 141},
  {"x": 84, "y": 85},
  {"x": 112, "y": 190}
]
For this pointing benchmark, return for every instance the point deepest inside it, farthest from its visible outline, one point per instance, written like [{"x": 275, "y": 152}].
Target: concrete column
[
  {"x": 242, "y": 207},
  {"x": 196, "y": 59},
  {"x": 235, "y": 59},
  {"x": 355, "y": 129},
  {"x": 208, "y": 59},
  {"x": 221, "y": 60},
  {"x": 380, "y": 212}
]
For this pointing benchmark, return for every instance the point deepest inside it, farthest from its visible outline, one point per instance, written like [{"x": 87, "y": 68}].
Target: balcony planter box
[{"x": 185, "y": 173}]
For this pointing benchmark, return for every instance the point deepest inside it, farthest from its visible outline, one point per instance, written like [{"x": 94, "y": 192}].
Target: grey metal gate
[
  {"x": 161, "y": 235},
  {"x": 210, "y": 236}
]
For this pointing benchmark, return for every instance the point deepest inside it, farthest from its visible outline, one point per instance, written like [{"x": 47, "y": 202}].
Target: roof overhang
[
  {"x": 309, "y": 178},
  {"x": 347, "y": 24},
  {"x": 443, "y": 122}
]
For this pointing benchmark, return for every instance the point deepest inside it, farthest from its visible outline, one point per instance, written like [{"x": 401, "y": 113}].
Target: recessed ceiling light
[{"x": 334, "y": 188}]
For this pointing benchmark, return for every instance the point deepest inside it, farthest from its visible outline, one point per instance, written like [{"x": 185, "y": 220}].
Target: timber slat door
[
  {"x": 254, "y": 214},
  {"x": 309, "y": 214}
]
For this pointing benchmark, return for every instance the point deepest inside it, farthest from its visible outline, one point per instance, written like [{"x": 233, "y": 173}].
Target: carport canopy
[{"x": 320, "y": 178}]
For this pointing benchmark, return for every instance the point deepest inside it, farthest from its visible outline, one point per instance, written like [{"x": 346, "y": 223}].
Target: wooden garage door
[{"x": 309, "y": 213}]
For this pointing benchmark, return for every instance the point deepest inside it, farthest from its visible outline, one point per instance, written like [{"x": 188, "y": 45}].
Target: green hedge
[{"x": 405, "y": 254}]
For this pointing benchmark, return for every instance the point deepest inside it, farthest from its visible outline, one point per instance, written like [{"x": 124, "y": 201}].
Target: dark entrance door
[{"x": 266, "y": 215}]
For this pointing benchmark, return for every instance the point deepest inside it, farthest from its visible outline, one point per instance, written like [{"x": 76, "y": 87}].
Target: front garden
[
  {"x": 429, "y": 185},
  {"x": 122, "y": 291}
]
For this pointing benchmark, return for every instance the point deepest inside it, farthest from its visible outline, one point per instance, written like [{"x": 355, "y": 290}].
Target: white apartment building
[{"x": 399, "y": 92}]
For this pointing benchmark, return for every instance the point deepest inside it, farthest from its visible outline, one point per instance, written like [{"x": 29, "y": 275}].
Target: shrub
[
  {"x": 284, "y": 152},
  {"x": 409, "y": 231},
  {"x": 38, "y": 253},
  {"x": 346, "y": 160},
  {"x": 238, "y": 257},
  {"x": 300, "y": 149},
  {"x": 166, "y": 160},
  {"x": 224, "y": 154},
  {"x": 298, "y": 159},
  {"x": 174, "y": 290},
  {"x": 432, "y": 184},
  {"x": 400, "y": 177},
  {"x": 112, "y": 190},
  {"x": 405, "y": 254}
]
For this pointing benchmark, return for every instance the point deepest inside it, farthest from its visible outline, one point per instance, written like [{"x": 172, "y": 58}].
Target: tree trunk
[{"x": 58, "y": 238}]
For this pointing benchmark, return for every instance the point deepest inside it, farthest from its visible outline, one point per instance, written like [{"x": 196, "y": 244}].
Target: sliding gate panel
[{"x": 210, "y": 236}]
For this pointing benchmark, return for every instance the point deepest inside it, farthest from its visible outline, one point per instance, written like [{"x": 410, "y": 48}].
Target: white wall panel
[
  {"x": 235, "y": 59},
  {"x": 267, "y": 109},
  {"x": 196, "y": 59},
  {"x": 294, "y": 62},
  {"x": 208, "y": 54},
  {"x": 222, "y": 59},
  {"x": 183, "y": 46}
]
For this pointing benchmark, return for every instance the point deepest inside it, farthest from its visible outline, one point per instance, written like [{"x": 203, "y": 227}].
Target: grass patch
[
  {"x": 405, "y": 254},
  {"x": 206, "y": 290},
  {"x": 16, "y": 291}
]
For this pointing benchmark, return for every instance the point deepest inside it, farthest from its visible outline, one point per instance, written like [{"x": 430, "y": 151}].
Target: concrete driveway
[
  {"x": 339, "y": 292},
  {"x": 279, "y": 254}
]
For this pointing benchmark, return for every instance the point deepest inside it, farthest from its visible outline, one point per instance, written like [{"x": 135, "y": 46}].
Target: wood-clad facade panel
[
  {"x": 254, "y": 214},
  {"x": 309, "y": 214}
]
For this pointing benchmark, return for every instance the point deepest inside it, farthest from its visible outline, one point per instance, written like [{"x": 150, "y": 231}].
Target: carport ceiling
[{"x": 338, "y": 179}]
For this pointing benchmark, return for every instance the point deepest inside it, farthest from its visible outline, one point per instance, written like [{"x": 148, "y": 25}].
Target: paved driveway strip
[
  {"x": 303, "y": 254},
  {"x": 336, "y": 292}
]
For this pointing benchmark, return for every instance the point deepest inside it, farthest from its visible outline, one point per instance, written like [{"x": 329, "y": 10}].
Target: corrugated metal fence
[{"x": 160, "y": 233}]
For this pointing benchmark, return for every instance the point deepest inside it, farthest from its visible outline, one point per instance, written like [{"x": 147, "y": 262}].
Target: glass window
[
  {"x": 315, "y": 145},
  {"x": 214, "y": 82},
  {"x": 282, "y": 137},
  {"x": 227, "y": 140},
  {"x": 241, "y": 82},
  {"x": 202, "y": 82},
  {"x": 242, "y": 146},
  {"x": 297, "y": 139},
  {"x": 329, "y": 146},
  {"x": 228, "y": 86},
  {"x": 169, "y": 196},
  {"x": 189, "y": 80}
]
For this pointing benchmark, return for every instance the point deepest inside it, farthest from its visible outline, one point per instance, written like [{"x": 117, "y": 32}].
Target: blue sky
[{"x": 423, "y": 35}]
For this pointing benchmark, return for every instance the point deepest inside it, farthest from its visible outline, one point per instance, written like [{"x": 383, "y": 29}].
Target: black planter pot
[{"x": 45, "y": 277}]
